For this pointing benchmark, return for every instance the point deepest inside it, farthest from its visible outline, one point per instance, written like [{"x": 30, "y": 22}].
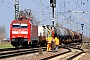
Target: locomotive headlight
[
  {"x": 13, "y": 36},
  {"x": 25, "y": 36}
]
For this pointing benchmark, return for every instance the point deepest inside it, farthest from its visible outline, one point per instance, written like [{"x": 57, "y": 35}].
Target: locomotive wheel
[{"x": 18, "y": 45}]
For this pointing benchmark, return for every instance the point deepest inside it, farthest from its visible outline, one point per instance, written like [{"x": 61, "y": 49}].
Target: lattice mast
[{"x": 16, "y": 6}]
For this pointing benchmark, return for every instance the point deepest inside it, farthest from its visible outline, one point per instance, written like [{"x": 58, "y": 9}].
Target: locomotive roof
[
  {"x": 20, "y": 21},
  {"x": 24, "y": 21}
]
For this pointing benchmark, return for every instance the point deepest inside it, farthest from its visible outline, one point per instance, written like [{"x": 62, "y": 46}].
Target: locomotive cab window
[
  {"x": 16, "y": 25},
  {"x": 24, "y": 25},
  {"x": 20, "y": 25}
]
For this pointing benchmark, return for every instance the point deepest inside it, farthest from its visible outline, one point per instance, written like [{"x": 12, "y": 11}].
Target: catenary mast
[{"x": 16, "y": 6}]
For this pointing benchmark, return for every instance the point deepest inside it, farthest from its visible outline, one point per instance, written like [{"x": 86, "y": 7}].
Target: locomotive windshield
[
  {"x": 23, "y": 25},
  {"x": 20, "y": 25},
  {"x": 16, "y": 25}
]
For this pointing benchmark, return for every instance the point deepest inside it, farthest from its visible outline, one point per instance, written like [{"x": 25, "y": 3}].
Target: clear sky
[{"x": 43, "y": 12}]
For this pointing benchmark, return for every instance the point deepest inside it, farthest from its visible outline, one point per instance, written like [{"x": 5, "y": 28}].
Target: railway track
[
  {"x": 6, "y": 53},
  {"x": 57, "y": 54},
  {"x": 69, "y": 55}
]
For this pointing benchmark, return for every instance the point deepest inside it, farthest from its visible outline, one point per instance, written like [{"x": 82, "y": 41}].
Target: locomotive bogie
[{"x": 19, "y": 42}]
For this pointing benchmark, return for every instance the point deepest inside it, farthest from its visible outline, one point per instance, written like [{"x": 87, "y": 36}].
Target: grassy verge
[{"x": 5, "y": 45}]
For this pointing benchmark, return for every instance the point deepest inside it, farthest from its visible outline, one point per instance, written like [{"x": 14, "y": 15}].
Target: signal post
[
  {"x": 53, "y": 5},
  {"x": 82, "y": 37}
]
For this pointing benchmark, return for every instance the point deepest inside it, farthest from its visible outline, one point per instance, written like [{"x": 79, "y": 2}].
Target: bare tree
[
  {"x": 58, "y": 25},
  {"x": 2, "y": 33},
  {"x": 27, "y": 13},
  {"x": 31, "y": 16}
]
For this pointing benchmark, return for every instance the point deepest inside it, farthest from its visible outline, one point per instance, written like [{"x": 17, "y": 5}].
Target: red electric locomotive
[{"x": 23, "y": 32}]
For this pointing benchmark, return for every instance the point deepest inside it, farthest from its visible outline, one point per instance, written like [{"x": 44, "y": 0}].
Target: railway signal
[
  {"x": 53, "y": 5},
  {"x": 82, "y": 45}
]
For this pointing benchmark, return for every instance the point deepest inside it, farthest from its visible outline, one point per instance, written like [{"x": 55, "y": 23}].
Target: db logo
[{"x": 19, "y": 32}]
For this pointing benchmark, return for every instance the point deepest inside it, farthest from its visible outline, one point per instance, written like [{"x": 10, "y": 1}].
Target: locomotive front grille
[{"x": 19, "y": 39}]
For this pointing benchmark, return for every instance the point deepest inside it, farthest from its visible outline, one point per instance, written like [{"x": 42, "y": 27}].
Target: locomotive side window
[
  {"x": 24, "y": 25},
  {"x": 16, "y": 25}
]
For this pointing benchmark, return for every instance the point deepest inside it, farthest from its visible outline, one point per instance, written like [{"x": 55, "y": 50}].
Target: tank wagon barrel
[
  {"x": 66, "y": 35},
  {"x": 61, "y": 32}
]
